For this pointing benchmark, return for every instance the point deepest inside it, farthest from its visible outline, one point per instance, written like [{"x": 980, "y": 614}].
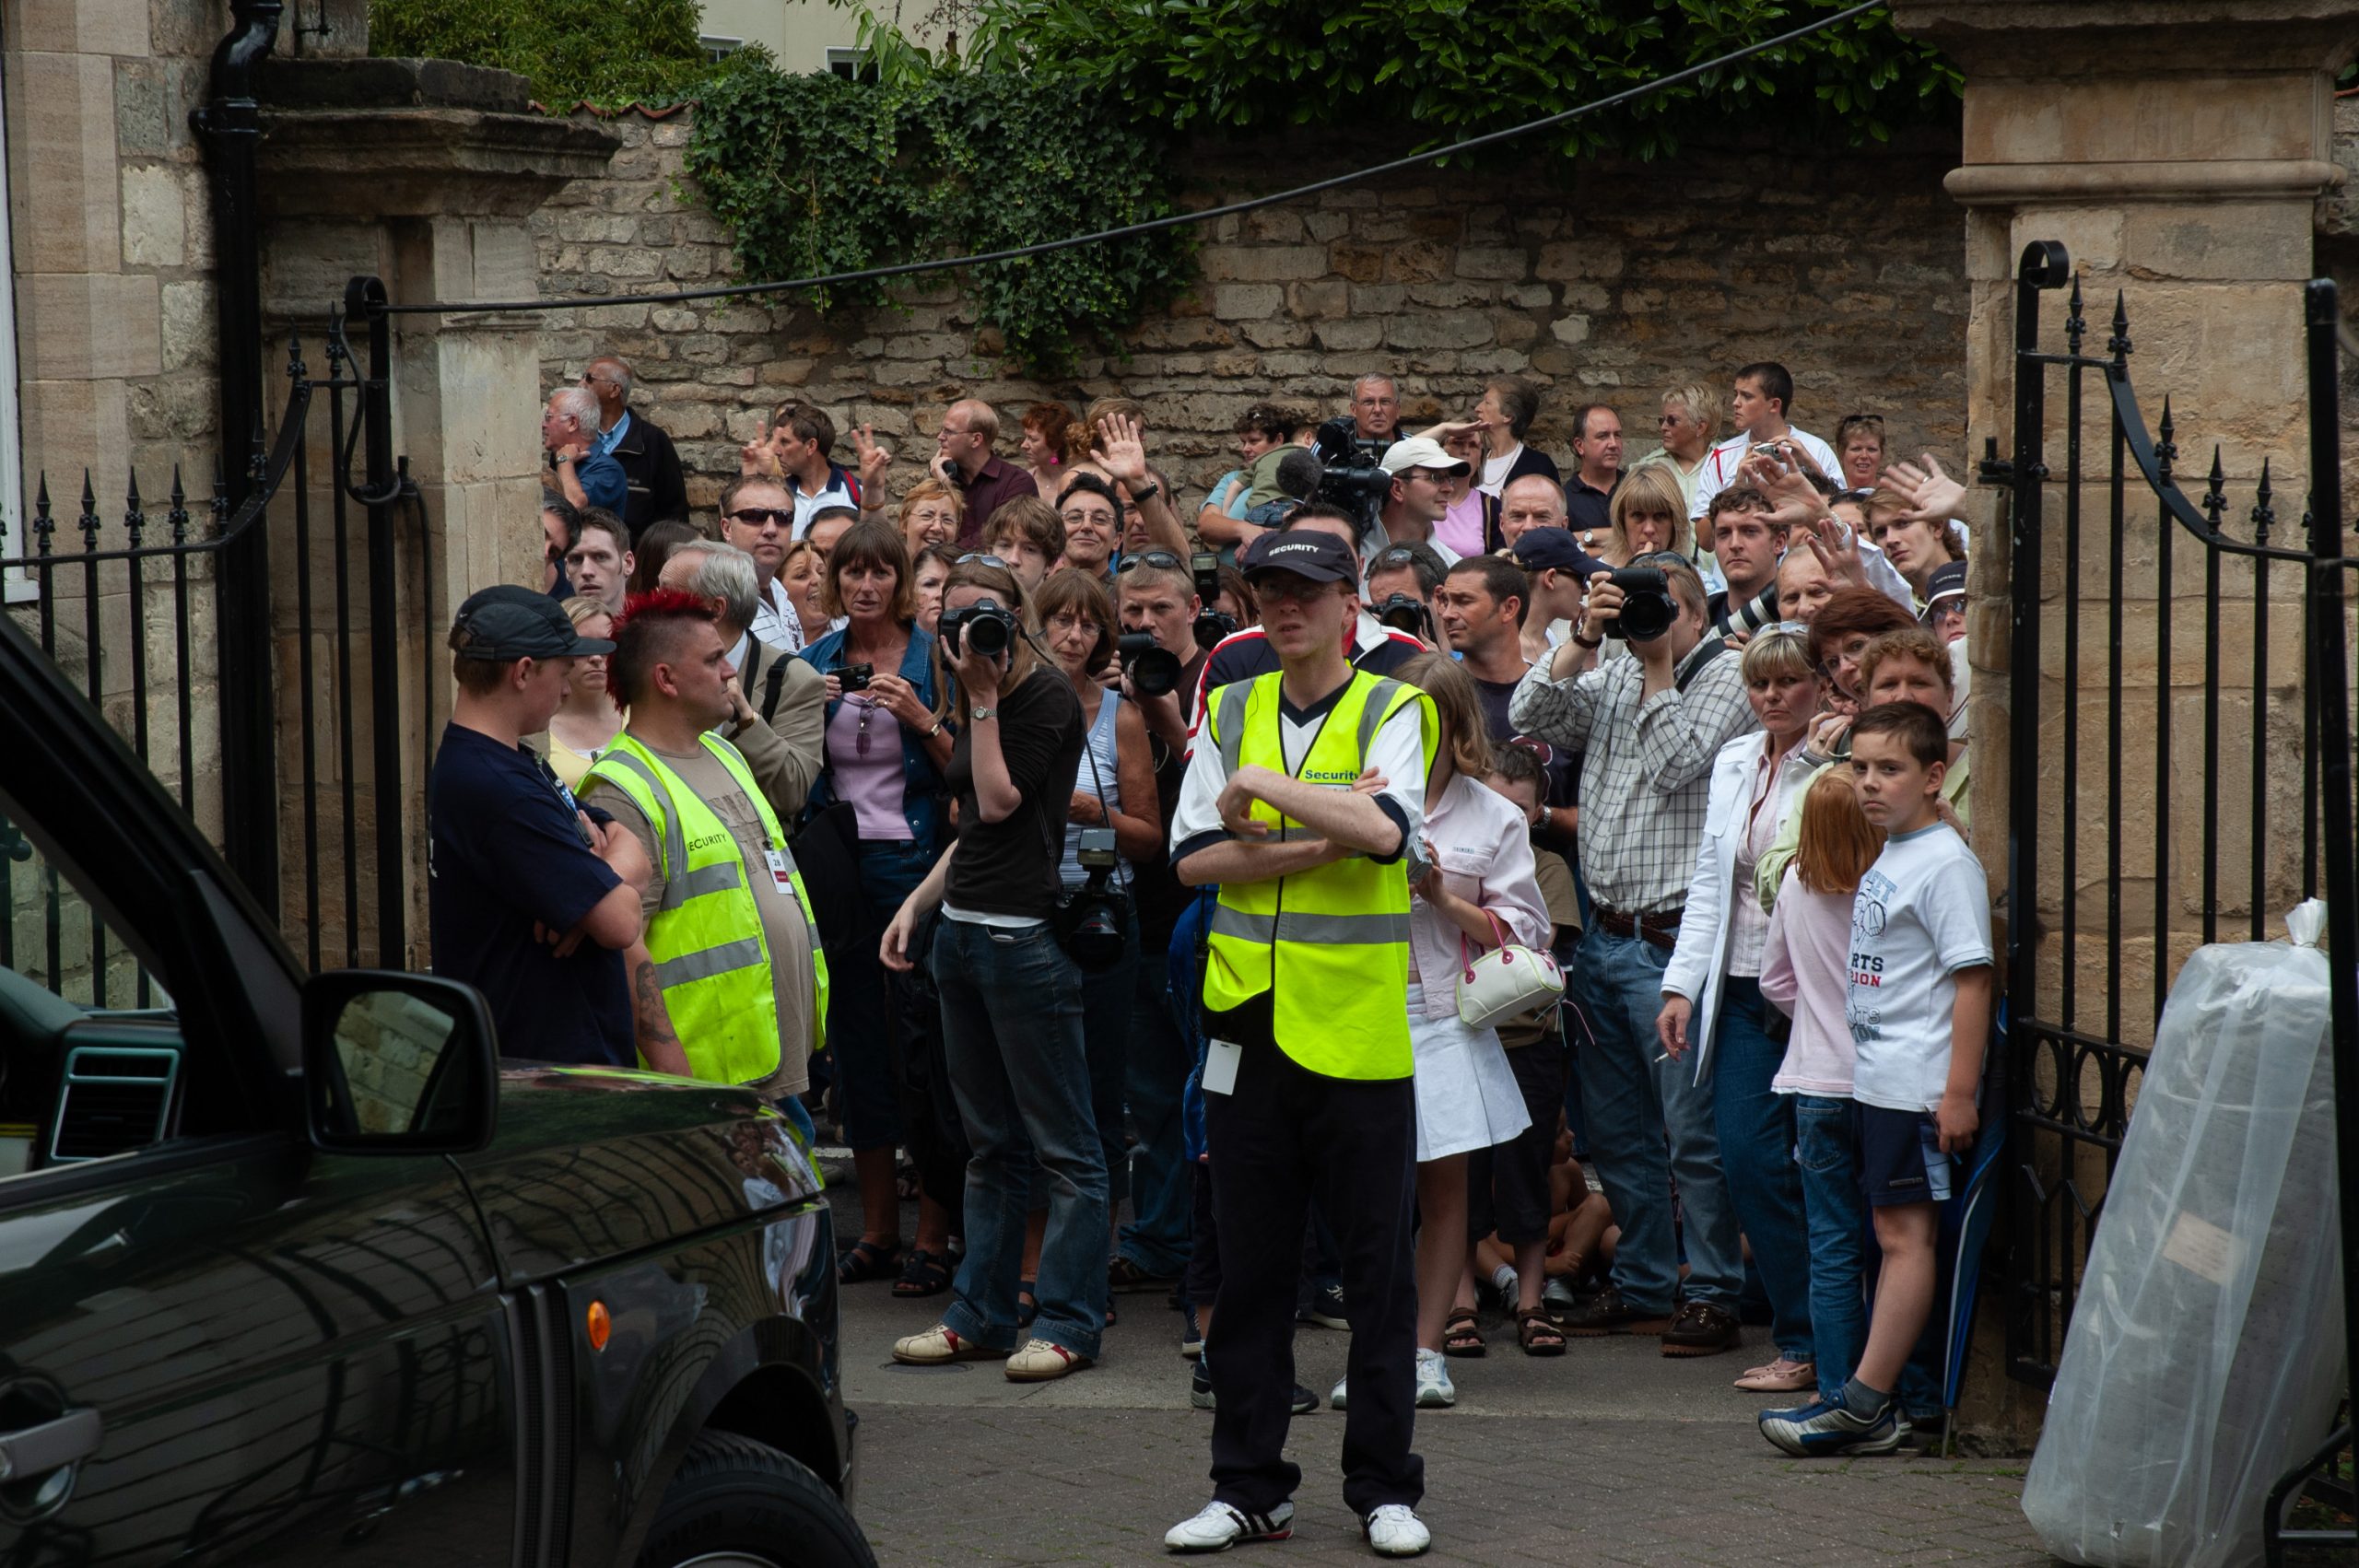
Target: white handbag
[{"x": 1504, "y": 981}]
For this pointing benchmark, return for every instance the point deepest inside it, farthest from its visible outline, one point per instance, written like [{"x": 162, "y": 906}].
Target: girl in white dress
[{"x": 1472, "y": 886}]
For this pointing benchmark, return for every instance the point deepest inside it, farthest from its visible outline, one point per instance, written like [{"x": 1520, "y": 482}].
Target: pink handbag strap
[{"x": 1465, "y": 954}]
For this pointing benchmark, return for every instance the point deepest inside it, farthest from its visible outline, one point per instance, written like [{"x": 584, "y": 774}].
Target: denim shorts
[{"x": 1900, "y": 1156}]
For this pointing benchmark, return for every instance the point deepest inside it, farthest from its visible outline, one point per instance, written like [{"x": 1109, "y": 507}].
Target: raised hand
[
  {"x": 874, "y": 458},
  {"x": 1120, "y": 449},
  {"x": 1933, "y": 495}
]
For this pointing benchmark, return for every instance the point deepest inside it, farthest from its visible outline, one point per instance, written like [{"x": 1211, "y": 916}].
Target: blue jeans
[
  {"x": 1838, "y": 1218},
  {"x": 1162, "y": 1190},
  {"x": 1011, "y": 1030},
  {"x": 1105, "y": 1037},
  {"x": 1756, "y": 1126},
  {"x": 1633, "y": 1105}
]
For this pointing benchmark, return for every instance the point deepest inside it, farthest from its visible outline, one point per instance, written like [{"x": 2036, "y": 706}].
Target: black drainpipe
[{"x": 229, "y": 127}]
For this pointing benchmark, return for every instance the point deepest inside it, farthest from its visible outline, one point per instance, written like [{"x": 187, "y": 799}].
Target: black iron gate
[
  {"x": 269, "y": 659},
  {"x": 2182, "y": 648}
]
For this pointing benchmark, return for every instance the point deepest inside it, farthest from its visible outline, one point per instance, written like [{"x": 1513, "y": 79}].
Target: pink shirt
[
  {"x": 1805, "y": 969},
  {"x": 870, "y": 776},
  {"x": 1484, "y": 847},
  {"x": 1461, "y": 527}
]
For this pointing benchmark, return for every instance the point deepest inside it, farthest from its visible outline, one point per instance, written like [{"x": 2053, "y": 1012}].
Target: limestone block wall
[{"x": 1632, "y": 278}]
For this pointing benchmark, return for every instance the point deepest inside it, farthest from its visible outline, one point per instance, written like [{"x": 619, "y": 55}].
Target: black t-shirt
[
  {"x": 506, "y": 851},
  {"x": 1160, "y": 895},
  {"x": 1010, "y": 868},
  {"x": 1496, "y": 695}
]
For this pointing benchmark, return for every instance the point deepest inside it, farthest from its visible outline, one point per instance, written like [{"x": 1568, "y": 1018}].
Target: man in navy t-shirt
[{"x": 531, "y": 899}]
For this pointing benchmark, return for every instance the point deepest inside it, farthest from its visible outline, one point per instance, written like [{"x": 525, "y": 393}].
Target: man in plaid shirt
[{"x": 1649, "y": 726}]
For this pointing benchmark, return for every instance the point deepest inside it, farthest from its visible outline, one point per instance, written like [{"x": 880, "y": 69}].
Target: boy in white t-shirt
[{"x": 1919, "y": 1011}]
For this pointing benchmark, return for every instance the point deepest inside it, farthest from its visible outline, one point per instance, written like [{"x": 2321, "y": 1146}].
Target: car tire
[{"x": 743, "y": 1503}]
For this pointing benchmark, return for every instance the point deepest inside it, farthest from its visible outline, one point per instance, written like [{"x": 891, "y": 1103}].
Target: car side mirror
[{"x": 397, "y": 1064}]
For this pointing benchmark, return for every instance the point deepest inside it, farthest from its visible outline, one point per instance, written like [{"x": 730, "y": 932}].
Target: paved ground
[{"x": 1608, "y": 1454}]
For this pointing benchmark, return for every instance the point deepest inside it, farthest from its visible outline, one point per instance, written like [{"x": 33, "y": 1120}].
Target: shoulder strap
[
  {"x": 754, "y": 657},
  {"x": 775, "y": 685},
  {"x": 1711, "y": 647}
]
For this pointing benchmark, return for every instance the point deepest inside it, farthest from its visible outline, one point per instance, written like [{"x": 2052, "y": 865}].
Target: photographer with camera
[
  {"x": 1011, "y": 995},
  {"x": 1650, "y": 727},
  {"x": 1402, "y": 579},
  {"x": 1113, "y": 793},
  {"x": 885, "y": 748},
  {"x": 1357, "y": 438}
]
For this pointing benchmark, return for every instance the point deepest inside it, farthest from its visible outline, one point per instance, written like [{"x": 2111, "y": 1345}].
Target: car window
[{"x": 64, "y": 971}]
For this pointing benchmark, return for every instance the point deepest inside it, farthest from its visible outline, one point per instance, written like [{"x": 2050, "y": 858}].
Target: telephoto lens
[{"x": 1154, "y": 670}]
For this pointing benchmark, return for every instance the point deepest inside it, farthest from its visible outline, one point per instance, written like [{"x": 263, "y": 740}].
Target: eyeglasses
[
  {"x": 987, "y": 560},
  {"x": 1162, "y": 560},
  {"x": 1079, "y": 514},
  {"x": 860, "y": 736},
  {"x": 1398, "y": 555},
  {"x": 760, "y": 516}
]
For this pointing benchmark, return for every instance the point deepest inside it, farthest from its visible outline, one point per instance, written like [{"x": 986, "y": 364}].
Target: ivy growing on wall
[{"x": 818, "y": 174}]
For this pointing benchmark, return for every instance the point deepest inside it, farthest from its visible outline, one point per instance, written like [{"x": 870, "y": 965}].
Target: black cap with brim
[
  {"x": 496, "y": 625},
  {"x": 1556, "y": 549},
  {"x": 1302, "y": 552},
  {"x": 1948, "y": 581}
]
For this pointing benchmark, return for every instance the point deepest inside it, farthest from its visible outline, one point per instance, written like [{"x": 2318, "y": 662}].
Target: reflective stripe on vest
[
  {"x": 1329, "y": 945},
  {"x": 710, "y": 954}
]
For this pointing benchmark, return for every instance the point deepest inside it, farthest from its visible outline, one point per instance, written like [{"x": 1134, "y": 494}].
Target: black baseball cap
[
  {"x": 1307, "y": 553},
  {"x": 1547, "y": 549},
  {"x": 1948, "y": 581},
  {"x": 498, "y": 625}
]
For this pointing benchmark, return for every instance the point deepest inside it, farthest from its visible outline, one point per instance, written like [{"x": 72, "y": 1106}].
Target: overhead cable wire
[{"x": 1152, "y": 226}]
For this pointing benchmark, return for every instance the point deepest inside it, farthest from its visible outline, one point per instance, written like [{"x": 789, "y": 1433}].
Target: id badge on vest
[
  {"x": 1221, "y": 1059},
  {"x": 782, "y": 872}
]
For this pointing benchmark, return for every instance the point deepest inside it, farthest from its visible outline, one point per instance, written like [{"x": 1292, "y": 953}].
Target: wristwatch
[
  {"x": 980, "y": 714},
  {"x": 1147, "y": 492},
  {"x": 1585, "y": 642},
  {"x": 936, "y": 731}
]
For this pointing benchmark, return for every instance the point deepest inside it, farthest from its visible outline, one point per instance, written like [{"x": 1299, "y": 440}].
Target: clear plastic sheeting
[{"x": 2205, "y": 1353}]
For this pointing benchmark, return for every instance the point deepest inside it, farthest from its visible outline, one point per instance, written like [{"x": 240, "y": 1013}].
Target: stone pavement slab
[{"x": 1609, "y": 1454}]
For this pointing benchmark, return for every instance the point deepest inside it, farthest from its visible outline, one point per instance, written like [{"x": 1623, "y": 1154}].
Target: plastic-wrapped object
[{"x": 2205, "y": 1353}]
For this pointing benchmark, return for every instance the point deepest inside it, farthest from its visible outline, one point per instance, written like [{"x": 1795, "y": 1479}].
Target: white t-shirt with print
[{"x": 1921, "y": 914}]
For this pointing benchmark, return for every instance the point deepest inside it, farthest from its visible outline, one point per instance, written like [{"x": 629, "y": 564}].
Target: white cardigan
[
  {"x": 1484, "y": 847},
  {"x": 1701, "y": 958}
]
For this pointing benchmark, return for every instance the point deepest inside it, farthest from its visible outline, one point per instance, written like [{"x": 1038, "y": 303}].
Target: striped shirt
[{"x": 1645, "y": 767}]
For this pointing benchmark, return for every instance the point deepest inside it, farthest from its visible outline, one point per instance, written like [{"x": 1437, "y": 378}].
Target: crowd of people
[{"x": 1423, "y": 884}]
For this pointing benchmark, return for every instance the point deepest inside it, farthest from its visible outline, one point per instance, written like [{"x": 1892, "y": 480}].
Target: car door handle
[{"x": 54, "y": 1444}]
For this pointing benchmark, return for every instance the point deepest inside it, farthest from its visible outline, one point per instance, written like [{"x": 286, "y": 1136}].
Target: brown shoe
[
  {"x": 1699, "y": 1328},
  {"x": 1607, "y": 1313}
]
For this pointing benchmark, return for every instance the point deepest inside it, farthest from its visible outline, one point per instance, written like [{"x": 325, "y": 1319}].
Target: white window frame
[
  {"x": 845, "y": 63},
  {"x": 717, "y": 48}
]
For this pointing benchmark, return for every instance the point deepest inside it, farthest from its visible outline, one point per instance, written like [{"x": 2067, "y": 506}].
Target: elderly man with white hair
[
  {"x": 586, "y": 474},
  {"x": 778, "y": 703}
]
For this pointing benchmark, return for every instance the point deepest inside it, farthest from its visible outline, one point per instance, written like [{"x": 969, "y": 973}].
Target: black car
[{"x": 292, "y": 1271}]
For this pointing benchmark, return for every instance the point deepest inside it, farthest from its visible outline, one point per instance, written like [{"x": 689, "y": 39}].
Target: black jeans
[{"x": 1285, "y": 1135}]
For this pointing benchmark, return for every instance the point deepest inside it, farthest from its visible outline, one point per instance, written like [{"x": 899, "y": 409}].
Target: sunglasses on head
[
  {"x": 1163, "y": 560},
  {"x": 757, "y": 516},
  {"x": 987, "y": 560},
  {"x": 1398, "y": 555}
]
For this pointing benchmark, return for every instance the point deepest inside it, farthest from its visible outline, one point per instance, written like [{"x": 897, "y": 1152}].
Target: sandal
[
  {"x": 1460, "y": 1336},
  {"x": 1537, "y": 1335},
  {"x": 1027, "y": 1305},
  {"x": 923, "y": 1274},
  {"x": 867, "y": 1261}
]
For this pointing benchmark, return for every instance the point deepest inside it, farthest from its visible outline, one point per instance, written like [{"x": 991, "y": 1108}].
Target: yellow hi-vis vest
[
  {"x": 1330, "y": 944},
  {"x": 711, "y": 957}
]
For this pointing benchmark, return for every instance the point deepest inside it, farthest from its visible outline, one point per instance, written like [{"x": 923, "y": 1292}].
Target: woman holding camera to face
[
  {"x": 885, "y": 748},
  {"x": 1011, "y": 997},
  {"x": 1114, "y": 791}
]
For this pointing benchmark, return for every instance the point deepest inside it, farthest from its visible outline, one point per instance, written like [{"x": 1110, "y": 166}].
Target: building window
[
  {"x": 716, "y": 50},
  {"x": 845, "y": 63}
]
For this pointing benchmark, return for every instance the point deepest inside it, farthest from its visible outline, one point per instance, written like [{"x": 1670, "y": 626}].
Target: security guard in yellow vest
[
  {"x": 728, "y": 983},
  {"x": 1304, "y": 792}
]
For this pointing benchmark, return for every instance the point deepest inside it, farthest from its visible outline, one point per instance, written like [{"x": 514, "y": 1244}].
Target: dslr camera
[
  {"x": 1154, "y": 670},
  {"x": 855, "y": 677},
  {"x": 1648, "y": 608},
  {"x": 1093, "y": 921},
  {"x": 1210, "y": 626},
  {"x": 1405, "y": 613},
  {"x": 982, "y": 625}
]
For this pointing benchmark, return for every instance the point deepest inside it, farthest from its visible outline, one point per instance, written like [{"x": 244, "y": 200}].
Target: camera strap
[{"x": 1711, "y": 647}]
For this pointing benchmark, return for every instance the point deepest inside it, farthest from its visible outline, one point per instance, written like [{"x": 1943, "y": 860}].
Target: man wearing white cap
[{"x": 1418, "y": 466}]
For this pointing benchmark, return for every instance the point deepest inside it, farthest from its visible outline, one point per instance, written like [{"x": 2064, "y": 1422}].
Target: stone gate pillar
[{"x": 2178, "y": 149}]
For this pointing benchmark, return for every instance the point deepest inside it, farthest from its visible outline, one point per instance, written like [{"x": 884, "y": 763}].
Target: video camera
[{"x": 1358, "y": 492}]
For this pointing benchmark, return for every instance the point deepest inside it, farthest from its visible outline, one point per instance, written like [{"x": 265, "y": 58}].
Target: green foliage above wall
[{"x": 614, "y": 51}]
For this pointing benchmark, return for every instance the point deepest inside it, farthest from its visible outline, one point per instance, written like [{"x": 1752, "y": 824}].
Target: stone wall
[{"x": 1630, "y": 278}]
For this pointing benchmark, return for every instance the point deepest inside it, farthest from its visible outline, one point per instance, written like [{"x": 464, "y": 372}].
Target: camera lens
[
  {"x": 1153, "y": 669},
  {"x": 987, "y": 635}
]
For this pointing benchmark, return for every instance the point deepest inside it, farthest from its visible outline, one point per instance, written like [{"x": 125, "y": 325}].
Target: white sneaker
[
  {"x": 1435, "y": 1390},
  {"x": 1335, "y": 1400},
  {"x": 1394, "y": 1530},
  {"x": 1219, "y": 1527}
]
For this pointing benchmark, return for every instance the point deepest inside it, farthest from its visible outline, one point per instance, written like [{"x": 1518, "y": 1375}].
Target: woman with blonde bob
[
  {"x": 1712, "y": 990},
  {"x": 1473, "y": 886},
  {"x": 1806, "y": 973},
  {"x": 1648, "y": 514}
]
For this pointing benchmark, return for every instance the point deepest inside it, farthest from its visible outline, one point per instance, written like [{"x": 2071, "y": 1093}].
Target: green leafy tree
[{"x": 614, "y": 51}]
